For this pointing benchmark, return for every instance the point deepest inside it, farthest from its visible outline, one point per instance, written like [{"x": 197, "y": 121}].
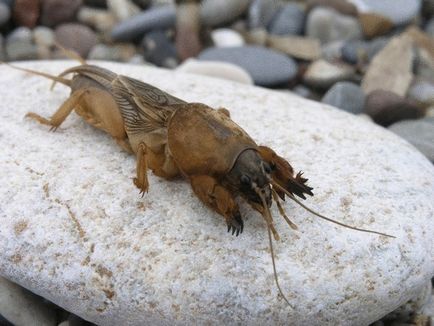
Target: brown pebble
[
  {"x": 187, "y": 38},
  {"x": 343, "y": 6},
  {"x": 77, "y": 37},
  {"x": 374, "y": 25},
  {"x": 26, "y": 12},
  {"x": 55, "y": 12}
]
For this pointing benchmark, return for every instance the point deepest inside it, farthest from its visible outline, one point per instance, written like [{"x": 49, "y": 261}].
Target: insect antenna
[
  {"x": 266, "y": 213},
  {"x": 282, "y": 211},
  {"x": 325, "y": 217}
]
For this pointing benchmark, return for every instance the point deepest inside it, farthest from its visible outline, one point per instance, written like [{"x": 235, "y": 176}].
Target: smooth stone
[
  {"x": 424, "y": 65},
  {"x": 55, "y": 12},
  {"x": 26, "y": 12},
  {"x": 77, "y": 37},
  {"x": 43, "y": 36},
  {"x": 215, "y": 13},
  {"x": 422, "y": 91},
  {"x": 155, "y": 18},
  {"x": 374, "y": 25},
  {"x": 100, "y": 19},
  {"x": 346, "y": 96},
  {"x": 267, "y": 67},
  {"x": 391, "y": 69},
  {"x": 159, "y": 49},
  {"x": 323, "y": 74},
  {"x": 342, "y": 6},
  {"x": 354, "y": 51},
  {"x": 225, "y": 37},
  {"x": 429, "y": 28},
  {"x": 302, "y": 91},
  {"x": 117, "y": 52},
  {"x": 376, "y": 45},
  {"x": 217, "y": 69},
  {"x": 328, "y": 25},
  {"x": 5, "y": 14},
  {"x": 419, "y": 133},
  {"x": 167, "y": 259},
  {"x": 298, "y": 47},
  {"x": 188, "y": 30},
  {"x": 398, "y": 11},
  {"x": 20, "y": 34},
  {"x": 332, "y": 51},
  {"x": 288, "y": 21},
  {"x": 386, "y": 107},
  {"x": 21, "y": 307},
  {"x": 19, "y": 45},
  {"x": 123, "y": 9},
  {"x": 261, "y": 12},
  {"x": 256, "y": 36}
]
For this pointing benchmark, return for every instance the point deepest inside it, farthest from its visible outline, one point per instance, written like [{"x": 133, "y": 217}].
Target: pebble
[
  {"x": 422, "y": 91},
  {"x": 328, "y": 25},
  {"x": 267, "y": 67},
  {"x": 342, "y": 6},
  {"x": 386, "y": 107},
  {"x": 419, "y": 133},
  {"x": 77, "y": 37},
  {"x": 21, "y": 307},
  {"x": 217, "y": 69},
  {"x": 376, "y": 45},
  {"x": 346, "y": 96},
  {"x": 55, "y": 12},
  {"x": 355, "y": 51},
  {"x": 26, "y": 12},
  {"x": 261, "y": 12},
  {"x": 226, "y": 37},
  {"x": 5, "y": 14},
  {"x": 391, "y": 69},
  {"x": 43, "y": 36},
  {"x": 374, "y": 25},
  {"x": 155, "y": 18},
  {"x": 288, "y": 21},
  {"x": 424, "y": 64},
  {"x": 123, "y": 9},
  {"x": 398, "y": 11},
  {"x": 215, "y": 13},
  {"x": 298, "y": 47},
  {"x": 187, "y": 38},
  {"x": 117, "y": 52},
  {"x": 19, "y": 45},
  {"x": 323, "y": 74},
  {"x": 100, "y": 19},
  {"x": 332, "y": 51},
  {"x": 257, "y": 36},
  {"x": 159, "y": 49}
]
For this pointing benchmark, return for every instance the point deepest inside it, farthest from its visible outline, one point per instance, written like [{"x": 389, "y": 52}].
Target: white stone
[
  {"x": 223, "y": 70},
  {"x": 223, "y": 37},
  {"x": 123, "y": 9},
  {"x": 75, "y": 230}
]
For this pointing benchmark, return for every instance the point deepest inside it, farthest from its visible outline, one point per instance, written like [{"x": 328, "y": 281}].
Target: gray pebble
[
  {"x": 376, "y": 45},
  {"x": 43, "y": 36},
  {"x": 5, "y": 14},
  {"x": 354, "y": 51},
  {"x": 215, "y": 13},
  {"x": 290, "y": 20},
  {"x": 328, "y": 25},
  {"x": 261, "y": 12},
  {"x": 420, "y": 133},
  {"x": 332, "y": 51},
  {"x": 346, "y": 96},
  {"x": 267, "y": 67},
  {"x": 135, "y": 27},
  {"x": 22, "y": 34},
  {"x": 19, "y": 45},
  {"x": 422, "y": 91},
  {"x": 159, "y": 50}
]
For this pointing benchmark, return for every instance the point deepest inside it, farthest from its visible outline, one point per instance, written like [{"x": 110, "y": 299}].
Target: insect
[{"x": 173, "y": 138}]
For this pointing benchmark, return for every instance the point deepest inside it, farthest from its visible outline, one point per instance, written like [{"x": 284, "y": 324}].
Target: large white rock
[{"x": 74, "y": 229}]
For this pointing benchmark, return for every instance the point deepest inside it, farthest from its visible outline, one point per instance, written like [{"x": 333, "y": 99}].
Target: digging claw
[{"x": 236, "y": 224}]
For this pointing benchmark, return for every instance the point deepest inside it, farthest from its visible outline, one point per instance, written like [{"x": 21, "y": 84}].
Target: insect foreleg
[
  {"x": 141, "y": 181},
  {"x": 215, "y": 196}
]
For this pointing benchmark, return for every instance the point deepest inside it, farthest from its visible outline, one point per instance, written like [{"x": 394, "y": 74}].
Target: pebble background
[{"x": 368, "y": 57}]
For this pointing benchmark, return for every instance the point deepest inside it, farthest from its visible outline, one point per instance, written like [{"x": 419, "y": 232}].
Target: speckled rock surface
[{"x": 75, "y": 230}]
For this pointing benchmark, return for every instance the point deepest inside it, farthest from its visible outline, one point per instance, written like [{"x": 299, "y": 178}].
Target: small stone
[
  {"x": 100, "y": 19},
  {"x": 376, "y": 45},
  {"x": 43, "y": 36},
  {"x": 222, "y": 70},
  {"x": 302, "y": 91},
  {"x": 342, "y": 6},
  {"x": 345, "y": 96},
  {"x": 419, "y": 133},
  {"x": 398, "y": 11},
  {"x": 374, "y": 25},
  {"x": 5, "y": 14},
  {"x": 187, "y": 40},
  {"x": 256, "y": 36},
  {"x": 261, "y": 12},
  {"x": 19, "y": 45},
  {"x": 77, "y": 37},
  {"x": 26, "y": 12},
  {"x": 123, "y": 9},
  {"x": 159, "y": 50},
  {"x": 386, "y": 107},
  {"x": 288, "y": 21},
  {"x": 117, "y": 52},
  {"x": 420, "y": 39},
  {"x": 214, "y": 13},
  {"x": 225, "y": 37},
  {"x": 21, "y": 307},
  {"x": 332, "y": 51},
  {"x": 328, "y": 25},
  {"x": 422, "y": 91},
  {"x": 267, "y": 67},
  {"x": 424, "y": 64},
  {"x": 55, "y": 12},
  {"x": 355, "y": 51},
  {"x": 391, "y": 68},
  {"x": 323, "y": 74},
  {"x": 299, "y": 47},
  {"x": 155, "y": 18}
]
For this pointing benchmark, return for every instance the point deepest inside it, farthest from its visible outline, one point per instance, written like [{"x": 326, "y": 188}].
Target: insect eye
[
  {"x": 267, "y": 168},
  {"x": 245, "y": 180}
]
